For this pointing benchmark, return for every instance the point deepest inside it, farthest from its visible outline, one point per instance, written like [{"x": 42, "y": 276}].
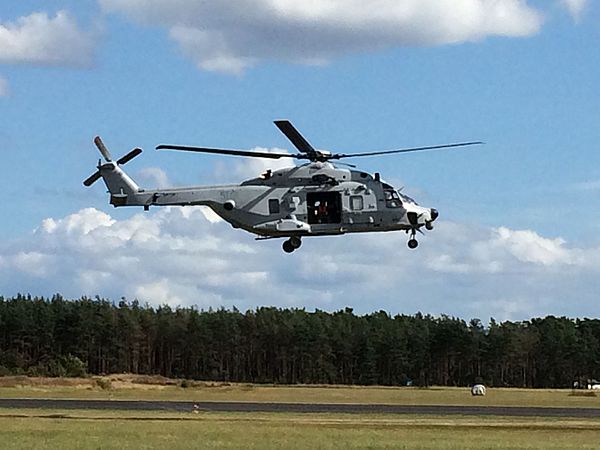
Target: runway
[{"x": 338, "y": 408}]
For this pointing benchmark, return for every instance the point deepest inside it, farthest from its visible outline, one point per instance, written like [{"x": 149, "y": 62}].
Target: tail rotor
[{"x": 108, "y": 158}]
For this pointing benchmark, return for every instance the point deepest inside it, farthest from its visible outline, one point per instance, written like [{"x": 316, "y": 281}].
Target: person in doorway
[{"x": 322, "y": 212}]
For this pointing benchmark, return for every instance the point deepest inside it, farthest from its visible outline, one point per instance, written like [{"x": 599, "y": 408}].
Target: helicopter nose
[{"x": 434, "y": 214}]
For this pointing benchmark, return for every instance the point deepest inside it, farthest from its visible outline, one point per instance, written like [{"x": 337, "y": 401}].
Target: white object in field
[{"x": 478, "y": 389}]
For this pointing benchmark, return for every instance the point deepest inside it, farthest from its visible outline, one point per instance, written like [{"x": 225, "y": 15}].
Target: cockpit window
[
  {"x": 406, "y": 198},
  {"x": 392, "y": 199}
]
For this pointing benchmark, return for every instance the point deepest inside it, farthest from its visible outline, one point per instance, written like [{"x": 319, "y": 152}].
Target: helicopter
[{"x": 317, "y": 198}]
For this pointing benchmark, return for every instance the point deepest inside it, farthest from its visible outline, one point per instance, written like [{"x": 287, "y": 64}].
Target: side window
[
  {"x": 392, "y": 200},
  {"x": 356, "y": 203},
  {"x": 273, "y": 206}
]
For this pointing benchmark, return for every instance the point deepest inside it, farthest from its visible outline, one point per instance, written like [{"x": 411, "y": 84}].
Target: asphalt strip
[{"x": 340, "y": 408}]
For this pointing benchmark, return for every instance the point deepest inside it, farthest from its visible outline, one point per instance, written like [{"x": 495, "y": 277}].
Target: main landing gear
[{"x": 292, "y": 244}]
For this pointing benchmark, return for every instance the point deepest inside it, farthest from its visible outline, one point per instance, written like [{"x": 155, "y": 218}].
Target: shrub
[
  {"x": 104, "y": 383},
  {"x": 39, "y": 370},
  {"x": 74, "y": 367}
]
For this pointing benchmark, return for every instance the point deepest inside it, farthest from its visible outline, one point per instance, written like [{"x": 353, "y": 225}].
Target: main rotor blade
[
  {"x": 129, "y": 156},
  {"x": 102, "y": 148},
  {"x": 403, "y": 150},
  {"x": 286, "y": 127},
  {"x": 222, "y": 151}
]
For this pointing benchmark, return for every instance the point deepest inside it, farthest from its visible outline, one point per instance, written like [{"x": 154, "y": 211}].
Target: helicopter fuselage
[{"x": 313, "y": 199}]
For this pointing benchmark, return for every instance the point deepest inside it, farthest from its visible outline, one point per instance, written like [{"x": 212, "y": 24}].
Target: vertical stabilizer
[{"x": 118, "y": 183}]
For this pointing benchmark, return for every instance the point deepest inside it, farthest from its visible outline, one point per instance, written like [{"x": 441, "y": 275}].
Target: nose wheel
[
  {"x": 292, "y": 244},
  {"x": 412, "y": 242}
]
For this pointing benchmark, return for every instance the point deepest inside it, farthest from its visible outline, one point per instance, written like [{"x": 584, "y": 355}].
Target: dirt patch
[
  {"x": 116, "y": 381},
  {"x": 40, "y": 382},
  {"x": 155, "y": 380},
  {"x": 120, "y": 381}
]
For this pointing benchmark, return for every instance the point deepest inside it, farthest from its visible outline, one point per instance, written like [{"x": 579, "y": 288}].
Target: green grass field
[
  {"x": 46, "y": 429},
  {"x": 27, "y": 429}
]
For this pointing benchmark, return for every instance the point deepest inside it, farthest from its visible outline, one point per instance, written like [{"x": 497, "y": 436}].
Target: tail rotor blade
[
  {"x": 129, "y": 156},
  {"x": 92, "y": 179},
  {"x": 102, "y": 148}
]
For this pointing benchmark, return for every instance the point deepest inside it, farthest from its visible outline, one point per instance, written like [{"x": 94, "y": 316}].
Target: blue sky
[{"x": 519, "y": 226}]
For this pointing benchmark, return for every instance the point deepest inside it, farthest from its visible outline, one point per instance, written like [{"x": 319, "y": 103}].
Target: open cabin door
[{"x": 324, "y": 207}]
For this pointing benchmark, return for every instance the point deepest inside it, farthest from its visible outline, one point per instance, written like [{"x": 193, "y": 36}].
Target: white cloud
[
  {"x": 241, "y": 169},
  {"x": 502, "y": 250},
  {"x": 233, "y": 35},
  {"x": 527, "y": 246},
  {"x": 177, "y": 256},
  {"x": 33, "y": 263},
  {"x": 162, "y": 292},
  {"x": 575, "y": 7},
  {"x": 3, "y": 87},
  {"x": 42, "y": 40},
  {"x": 82, "y": 223},
  {"x": 510, "y": 307},
  {"x": 210, "y": 215},
  {"x": 154, "y": 175}
]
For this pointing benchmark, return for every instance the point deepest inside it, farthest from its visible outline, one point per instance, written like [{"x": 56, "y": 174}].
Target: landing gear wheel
[
  {"x": 429, "y": 226},
  {"x": 292, "y": 244},
  {"x": 295, "y": 242},
  {"x": 288, "y": 247},
  {"x": 413, "y": 243}
]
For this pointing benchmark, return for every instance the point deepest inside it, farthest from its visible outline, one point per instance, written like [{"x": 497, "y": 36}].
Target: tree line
[{"x": 58, "y": 337}]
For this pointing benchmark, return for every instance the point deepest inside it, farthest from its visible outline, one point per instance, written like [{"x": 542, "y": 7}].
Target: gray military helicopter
[{"x": 313, "y": 199}]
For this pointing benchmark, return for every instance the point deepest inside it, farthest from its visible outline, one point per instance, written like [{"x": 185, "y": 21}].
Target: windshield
[{"x": 406, "y": 198}]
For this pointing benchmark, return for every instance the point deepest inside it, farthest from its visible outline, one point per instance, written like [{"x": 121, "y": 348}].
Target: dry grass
[
  {"x": 124, "y": 381},
  {"x": 66, "y": 429},
  {"x": 15, "y": 381},
  {"x": 141, "y": 387}
]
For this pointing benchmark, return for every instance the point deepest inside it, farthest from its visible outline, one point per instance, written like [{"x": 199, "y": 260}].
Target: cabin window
[
  {"x": 356, "y": 203},
  {"x": 274, "y": 206}
]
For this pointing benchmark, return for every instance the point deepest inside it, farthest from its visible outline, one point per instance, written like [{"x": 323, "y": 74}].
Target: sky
[{"x": 519, "y": 228}]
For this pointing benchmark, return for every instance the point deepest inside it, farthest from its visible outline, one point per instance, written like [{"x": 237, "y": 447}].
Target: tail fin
[{"x": 119, "y": 184}]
